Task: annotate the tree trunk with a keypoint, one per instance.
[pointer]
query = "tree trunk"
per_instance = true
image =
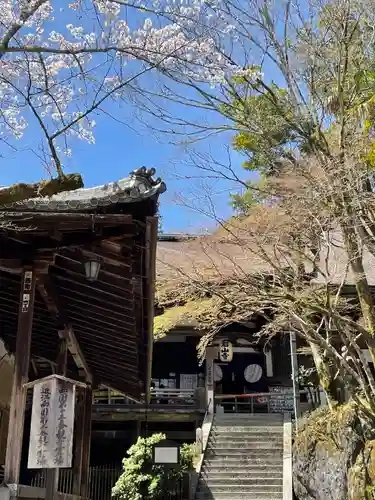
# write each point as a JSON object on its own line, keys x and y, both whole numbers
{"x": 21, "y": 191}
{"x": 362, "y": 287}
{"x": 330, "y": 385}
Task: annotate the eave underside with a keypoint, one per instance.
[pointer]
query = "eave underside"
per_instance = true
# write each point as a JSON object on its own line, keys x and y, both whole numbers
{"x": 108, "y": 317}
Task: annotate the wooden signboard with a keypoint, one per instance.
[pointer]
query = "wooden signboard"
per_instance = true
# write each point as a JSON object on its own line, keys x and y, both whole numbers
{"x": 282, "y": 399}
{"x": 52, "y": 424}
{"x": 210, "y": 374}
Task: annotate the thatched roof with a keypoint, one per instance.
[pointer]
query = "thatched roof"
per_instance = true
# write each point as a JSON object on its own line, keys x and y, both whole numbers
{"x": 202, "y": 283}
{"x": 206, "y": 282}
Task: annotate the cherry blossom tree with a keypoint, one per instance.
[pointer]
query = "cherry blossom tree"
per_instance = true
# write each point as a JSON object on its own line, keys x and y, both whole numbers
{"x": 61, "y": 62}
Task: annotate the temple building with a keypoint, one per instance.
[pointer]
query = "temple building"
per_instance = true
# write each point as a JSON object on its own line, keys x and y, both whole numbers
{"x": 77, "y": 277}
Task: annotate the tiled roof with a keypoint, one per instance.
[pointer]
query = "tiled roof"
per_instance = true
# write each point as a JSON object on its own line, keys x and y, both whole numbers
{"x": 139, "y": 186}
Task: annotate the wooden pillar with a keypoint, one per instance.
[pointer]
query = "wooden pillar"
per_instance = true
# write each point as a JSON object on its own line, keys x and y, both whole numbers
{"x": 269, "y": 363}
{"x": 52, "y": 475}
{"x": 86, "y": 437}
{"x": 210, "y": 354}
{"x": 21, "y": 375}
{"x": 78, "y": 442}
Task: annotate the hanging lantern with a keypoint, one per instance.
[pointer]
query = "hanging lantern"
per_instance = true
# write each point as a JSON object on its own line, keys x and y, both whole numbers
{"x": 92, "y": 268}
{"x": 226, "y": 351}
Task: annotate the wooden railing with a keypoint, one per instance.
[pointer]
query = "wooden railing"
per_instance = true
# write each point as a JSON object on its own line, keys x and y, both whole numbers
{"x": 107, "y": 396}
{"x": 262, "y": 402}
{"x": 158, "y": 396}
{"x": 236, "y": 403}
{"x": 173, "y": 396}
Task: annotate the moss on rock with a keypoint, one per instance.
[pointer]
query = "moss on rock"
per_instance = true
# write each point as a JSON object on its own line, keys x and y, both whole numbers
{"x": 21, "y": 191}
{"x": 334, "y": 456}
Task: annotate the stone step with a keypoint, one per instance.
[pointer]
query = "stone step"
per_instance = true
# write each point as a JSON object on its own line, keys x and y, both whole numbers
{"x": 238, "y": 496}
{"x": 231, "y": 463}
{"x": 243, "y": 472}
{"x": 241, "y": 488}
{"x": 229, "y": 481}
{"x": 238, "y": 454}
{"x": 247, "y": 426}
{"x": 259, "y": 417}
{"x": 245, "y": 464}
{"x": 207, "y": 472}
{"x": 251, "y": 416}
{"x": 237, "y": 436}
{"x": 246, "y": 445}
{"x": 260, "y": 429}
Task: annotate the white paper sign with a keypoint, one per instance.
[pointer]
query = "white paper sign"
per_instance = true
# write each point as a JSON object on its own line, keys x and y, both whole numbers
{"x": 166, "y": 455}
{"x": 52, "y": 425}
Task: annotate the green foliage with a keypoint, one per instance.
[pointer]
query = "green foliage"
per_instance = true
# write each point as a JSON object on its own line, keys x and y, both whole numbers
{"x": 269, "y": 128}
{"x": 188, "y": 453}
{"x": 141, "y": 479}
{"x": 255, "y": 193}
{"x": 265, "y": 120}
{"x": 321, "y": 107}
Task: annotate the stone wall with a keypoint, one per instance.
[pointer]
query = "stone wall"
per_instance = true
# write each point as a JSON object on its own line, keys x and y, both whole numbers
{"x": 334, "y": 456}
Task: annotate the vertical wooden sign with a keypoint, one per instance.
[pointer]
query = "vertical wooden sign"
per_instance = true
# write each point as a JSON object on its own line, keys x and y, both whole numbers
{"x": 52, "y": 425}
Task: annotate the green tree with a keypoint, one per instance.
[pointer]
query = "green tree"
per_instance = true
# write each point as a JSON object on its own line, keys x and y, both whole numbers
{"x": 303, "y": 114}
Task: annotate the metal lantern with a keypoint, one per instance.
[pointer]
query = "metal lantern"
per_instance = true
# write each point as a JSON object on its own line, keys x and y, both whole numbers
{"x": 92, "y": 268}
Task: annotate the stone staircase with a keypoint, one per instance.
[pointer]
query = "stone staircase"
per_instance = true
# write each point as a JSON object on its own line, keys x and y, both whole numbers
{"x": 243, "y": 459}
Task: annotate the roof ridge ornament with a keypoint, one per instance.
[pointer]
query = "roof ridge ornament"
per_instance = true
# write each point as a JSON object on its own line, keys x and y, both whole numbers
{"x": 147, "y": 174}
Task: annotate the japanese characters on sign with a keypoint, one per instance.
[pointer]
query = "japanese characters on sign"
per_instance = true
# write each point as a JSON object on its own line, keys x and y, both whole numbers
{"x": 52, "y": 421}
{"x": 226, "y": 351}
{"x": 27, "y": 284}
{"x": 210, "y": 374}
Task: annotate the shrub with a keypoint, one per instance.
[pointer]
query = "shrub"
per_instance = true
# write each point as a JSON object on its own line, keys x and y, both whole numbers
{"x": 141, "y": 479}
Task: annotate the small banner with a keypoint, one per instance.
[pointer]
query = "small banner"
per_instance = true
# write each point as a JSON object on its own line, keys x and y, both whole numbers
{"x": 226, "y": 351}
{"x": 52, "y": 425}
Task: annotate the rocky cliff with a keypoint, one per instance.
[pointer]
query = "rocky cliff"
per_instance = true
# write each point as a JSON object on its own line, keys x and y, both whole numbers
{"x": 334, "y": 456}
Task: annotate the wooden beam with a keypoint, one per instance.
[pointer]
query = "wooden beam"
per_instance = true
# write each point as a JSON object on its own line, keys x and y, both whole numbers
{"x": 11, "y": 265}
{"x": 75, "y": 351}
{"x": 96, "y": 302}
{"x": 151, "y": 242}
{"x": 61, "y": 216}
{"x": 95, "y": 287}
{"x": 21, "y": 373}
{"x": 116, "y": 260}
{"x": 78, "y": 442}
{"x": 76, "y": 257}
{"x": 76, "y": 270}
{"x": 53, "y": 303}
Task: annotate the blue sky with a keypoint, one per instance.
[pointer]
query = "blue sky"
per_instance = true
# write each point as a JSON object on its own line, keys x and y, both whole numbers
{"x": 120, "y": 149}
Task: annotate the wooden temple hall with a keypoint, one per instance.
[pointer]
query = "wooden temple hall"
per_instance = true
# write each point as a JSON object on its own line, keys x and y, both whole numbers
{"x": 77, "y": 274}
